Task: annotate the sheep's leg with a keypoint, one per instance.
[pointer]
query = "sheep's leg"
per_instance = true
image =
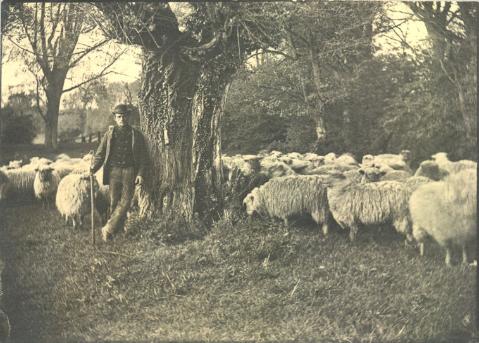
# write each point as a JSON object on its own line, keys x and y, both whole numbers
{"x": 353, "y": 231}
{"x": 448, "y": 256}
{"x": 325, "y": 229}
{"x": 464, "y": 254}
{"x": 421, "y": 248}
{"x": 286, "y": 222}
{"x": 74, "y": 222}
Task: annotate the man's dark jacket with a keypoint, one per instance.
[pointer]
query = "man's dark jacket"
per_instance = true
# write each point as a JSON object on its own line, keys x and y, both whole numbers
{"x": 103, "y": 153}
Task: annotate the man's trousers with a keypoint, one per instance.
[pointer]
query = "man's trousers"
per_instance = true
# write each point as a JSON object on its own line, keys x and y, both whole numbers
{"x": 122, "y": 188}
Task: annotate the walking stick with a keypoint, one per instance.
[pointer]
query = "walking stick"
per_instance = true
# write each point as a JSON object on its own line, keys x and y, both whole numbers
{"x": 92, "y": 201}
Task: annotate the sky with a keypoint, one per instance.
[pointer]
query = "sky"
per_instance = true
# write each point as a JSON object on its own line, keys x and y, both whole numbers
{"x": 15, "y": 77}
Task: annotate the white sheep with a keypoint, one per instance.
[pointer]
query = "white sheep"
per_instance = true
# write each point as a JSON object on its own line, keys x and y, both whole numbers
{"x": 387, "y": 162}
{"x": 73, "y": 197}
{"x": 46, "y": 183}
{"x": 396, "y": 175}
{"x": 15, "y": 164}
{"x": 452, "y": 167}
{"x": 431, "y": 170}
{"x": 286, "y": 196}
{"x": 21, "y": 182}
{"x": 353, "y": 204}
{"x": 272, "y": 167}
{"x": 446, "y": 211}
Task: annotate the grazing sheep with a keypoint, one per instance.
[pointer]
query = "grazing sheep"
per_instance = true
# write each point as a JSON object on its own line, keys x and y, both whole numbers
{"x": 15, "y": 164}
{"x": 20, "y": 182}
{"x": 272, "y": 167}
{"x": 46, "y": 183}
{"x": 446, "y": 211}
{"x": 73, "y": 197}
{"x": 452, "y": 167}
{"x": 396, "y": 175}
{"x": 62, "y": 157}
{"x": 431, "y": 170}
{"x": 346, "y": 159}
{"x": 354, "y": 204}
{"x": 38, "y": 161}
{"x": 388, "y": 162}
{"x": 285, "y": 196}
{"x": 330, "y": 158}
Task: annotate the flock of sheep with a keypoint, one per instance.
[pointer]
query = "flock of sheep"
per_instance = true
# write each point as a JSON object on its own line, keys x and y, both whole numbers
{"x": 65, "y": 180}
{"x": 438, "y": 200}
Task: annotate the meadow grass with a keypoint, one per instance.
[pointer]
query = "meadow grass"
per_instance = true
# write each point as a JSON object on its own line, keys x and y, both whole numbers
{"x": 237, "y": 281}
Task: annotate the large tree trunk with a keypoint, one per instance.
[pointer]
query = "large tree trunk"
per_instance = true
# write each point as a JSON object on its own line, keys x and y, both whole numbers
{"x": 180, "y": 105}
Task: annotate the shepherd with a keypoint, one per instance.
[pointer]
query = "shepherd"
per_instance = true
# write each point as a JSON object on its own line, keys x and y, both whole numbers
{"x": 122, "y": 154}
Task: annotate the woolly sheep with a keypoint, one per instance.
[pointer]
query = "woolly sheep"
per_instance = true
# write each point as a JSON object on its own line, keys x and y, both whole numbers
{"x": 431, "y": 170}
{"x": 15, "y": 164}
{"x": 354, "y": 204}
{"x": 73, "y": 197}
{"x": 330, "y": 158}
{"x": 396, "y": 175}
{"x": 20, "y": 182}
{"x": 446, "y": 211}
{"x": 285, "y": 196}
{"x": 62, "y": 157}
{"x": 346, "y": 159}
{"x": 272, "y": 167}
{"x": 452, "y": 167}
{"x": 46, "y": 183}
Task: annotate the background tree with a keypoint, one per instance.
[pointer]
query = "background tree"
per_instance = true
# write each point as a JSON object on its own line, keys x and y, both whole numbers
{"x": 47, "y": 36}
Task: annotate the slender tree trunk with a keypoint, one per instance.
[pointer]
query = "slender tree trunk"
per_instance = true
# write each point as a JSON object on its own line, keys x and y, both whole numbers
{"x": 320, "y": 126}
{"x": 180, "y": 105}
{"x": 51, "y": 123}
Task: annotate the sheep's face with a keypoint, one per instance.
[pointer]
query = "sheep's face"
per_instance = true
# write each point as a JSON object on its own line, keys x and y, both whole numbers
{"x": 371, "y": 174}
{"x": 251, "y": 202}
{"x": 44, "y": 173}
{"x": 367, "y": 160}
{"x": 406, "y": 155}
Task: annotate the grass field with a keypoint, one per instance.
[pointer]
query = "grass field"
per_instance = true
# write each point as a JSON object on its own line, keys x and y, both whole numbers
{"x": 249, "y": 281}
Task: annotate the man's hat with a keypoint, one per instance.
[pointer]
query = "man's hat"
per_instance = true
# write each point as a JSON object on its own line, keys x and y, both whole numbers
{"x": 121, "y": 108}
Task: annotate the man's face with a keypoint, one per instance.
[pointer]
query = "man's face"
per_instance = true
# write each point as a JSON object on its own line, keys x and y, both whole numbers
{"x": 121, "y": 119}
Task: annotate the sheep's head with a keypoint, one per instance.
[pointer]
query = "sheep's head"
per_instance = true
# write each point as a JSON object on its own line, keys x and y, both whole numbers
{"x": 371, "y": 174}
{"x": 367, "y": 160}
{"x": 44, "y": 172}
{"x": 431, "y": 170}
{"x": 440, "y": 157}
{"x": 406, "y": 155}
{"x": 251, "y": 202}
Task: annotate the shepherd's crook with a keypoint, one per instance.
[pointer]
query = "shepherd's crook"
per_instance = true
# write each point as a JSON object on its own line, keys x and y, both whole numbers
{"x": 92, "y": 201}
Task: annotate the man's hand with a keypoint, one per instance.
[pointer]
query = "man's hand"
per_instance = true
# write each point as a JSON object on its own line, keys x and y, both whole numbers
{"x": 139, "y": 180}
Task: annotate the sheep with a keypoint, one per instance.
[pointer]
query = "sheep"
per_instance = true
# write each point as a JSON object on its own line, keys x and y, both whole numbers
{"x": 285, "y": 196}
{"x": 431, "y": 170}
{"x": 62, "y": 157}
{"x": 452, "y": 167}
{"x": 272, "y": 167}
{"x": 15, "y": 164}
{"x": 46, "y": 183}
{"x": 389, "y": 161}
{"x": 353, "y": 204}
{"x": 73, "y": 197}
{"x": 346, "y": 159}
{"x": 446, "y": 211}
{"x": 20, "y": 182}
{"x": 396, "y": 175}
{"x": 37, "y": 161}
{"x": 330, "y": 158}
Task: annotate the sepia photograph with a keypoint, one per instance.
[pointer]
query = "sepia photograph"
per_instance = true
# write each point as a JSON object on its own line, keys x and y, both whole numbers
{"x": 238, "y": 171}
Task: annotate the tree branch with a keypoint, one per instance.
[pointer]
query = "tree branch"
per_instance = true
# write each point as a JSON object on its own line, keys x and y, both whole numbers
{"x": 86, "y": 52}
{"x": 101, "y": 74}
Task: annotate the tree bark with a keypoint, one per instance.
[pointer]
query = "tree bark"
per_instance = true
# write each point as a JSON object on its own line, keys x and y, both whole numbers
{"x": 181, "y": 103}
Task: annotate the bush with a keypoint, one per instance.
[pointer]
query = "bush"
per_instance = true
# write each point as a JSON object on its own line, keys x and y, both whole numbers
{"x": 17, "y": 128}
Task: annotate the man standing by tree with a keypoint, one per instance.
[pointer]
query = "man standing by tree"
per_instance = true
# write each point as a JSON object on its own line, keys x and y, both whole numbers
{"x": 122, "y": 153}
